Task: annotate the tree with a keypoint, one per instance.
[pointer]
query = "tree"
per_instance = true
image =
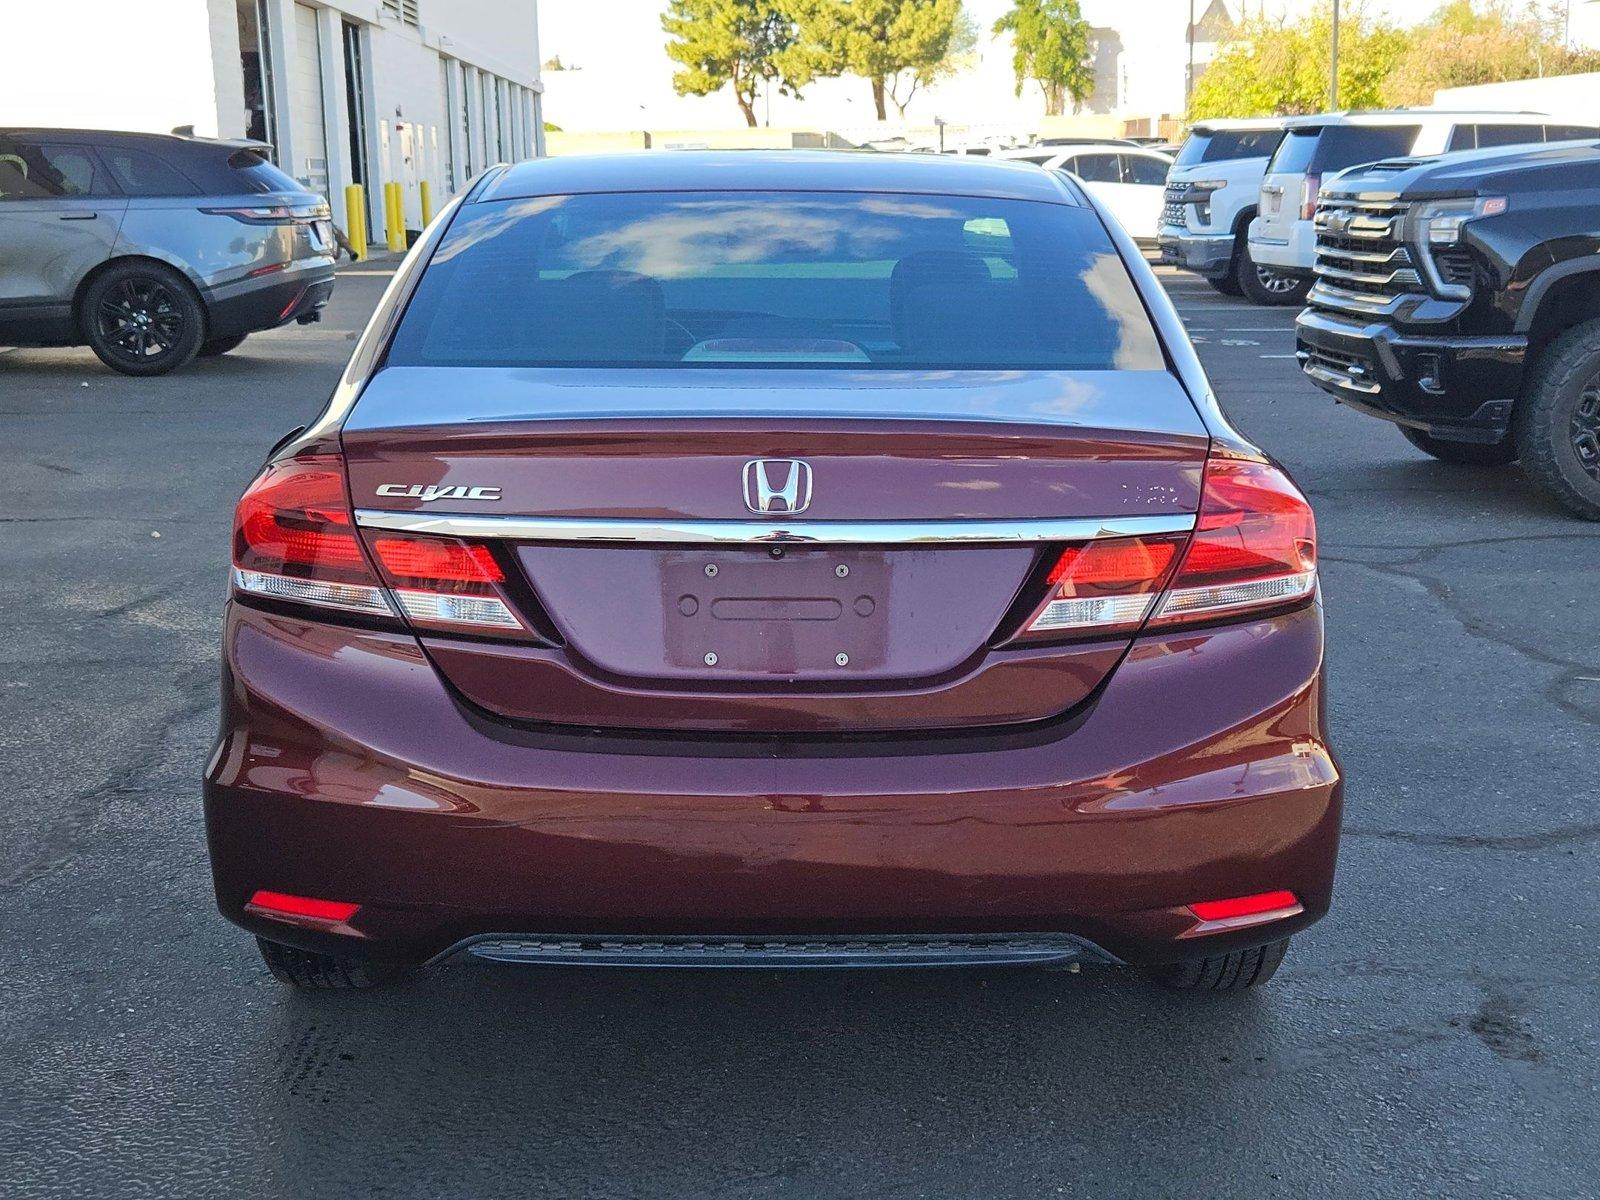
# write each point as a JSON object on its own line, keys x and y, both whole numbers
{"x": 746, "y": 43}
{"x": 1051, "y": 45}
{"x": 958, "y": 56}
{"x": 1272, "y": 65}
{"x": 876, "y": 39}
{"x": 1488, "y": 42}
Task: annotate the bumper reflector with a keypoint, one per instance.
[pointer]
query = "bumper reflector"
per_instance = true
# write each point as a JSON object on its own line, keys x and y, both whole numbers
{"x": 1240, "y": 912}
{"x": 283, "y": 904}
{"x": 1244, "y": 906}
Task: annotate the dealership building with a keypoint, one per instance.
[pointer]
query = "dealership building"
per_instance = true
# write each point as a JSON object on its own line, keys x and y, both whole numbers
{"x": 346, "y": 91}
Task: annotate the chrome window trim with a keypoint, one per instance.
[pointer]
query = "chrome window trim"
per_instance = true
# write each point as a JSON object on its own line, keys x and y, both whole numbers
{"x": 853, "y": 533}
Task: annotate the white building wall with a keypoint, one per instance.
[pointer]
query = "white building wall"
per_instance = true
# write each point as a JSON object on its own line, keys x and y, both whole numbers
{"x": 156, "y": 65}
{"x": 1575, "y": 97}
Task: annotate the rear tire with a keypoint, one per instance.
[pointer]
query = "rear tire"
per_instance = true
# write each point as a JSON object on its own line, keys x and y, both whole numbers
{"x": 1558, "y": 421}
{"x": 1231, "y": 972}
{"x": 1463, "y": 454}
{"x": 1263, "y": 285}
{"x": 323, "y": 972}
{"x": 221, "y": 345}
{"x": 142, "y": 318}
{"x": 1227, "y": 284}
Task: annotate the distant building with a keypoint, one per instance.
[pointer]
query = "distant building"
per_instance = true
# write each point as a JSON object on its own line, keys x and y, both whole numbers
{"x": 346, "y": 91}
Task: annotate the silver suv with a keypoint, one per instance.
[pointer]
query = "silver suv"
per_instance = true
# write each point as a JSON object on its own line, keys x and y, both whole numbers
{"x": 151, "y": 248}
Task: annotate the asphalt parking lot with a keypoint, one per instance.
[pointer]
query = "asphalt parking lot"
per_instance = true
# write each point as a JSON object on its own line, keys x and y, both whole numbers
{"x": 1436, "y": 1036}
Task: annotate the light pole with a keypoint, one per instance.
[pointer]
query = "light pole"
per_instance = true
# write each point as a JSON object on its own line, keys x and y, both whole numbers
{"x": 1188, "y": 82}
{"x": 1333, "y": 62}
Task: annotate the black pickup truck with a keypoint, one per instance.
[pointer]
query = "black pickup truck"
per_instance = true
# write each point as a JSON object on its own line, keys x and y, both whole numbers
{"x": 1459, "y": 297}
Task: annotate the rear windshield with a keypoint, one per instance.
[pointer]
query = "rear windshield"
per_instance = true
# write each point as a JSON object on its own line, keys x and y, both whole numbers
{"x": 853, "y": 280}
{"x": 1228, "y": 144}
{"x": 256, "y": 174}
{"x": 1324, "y": 149}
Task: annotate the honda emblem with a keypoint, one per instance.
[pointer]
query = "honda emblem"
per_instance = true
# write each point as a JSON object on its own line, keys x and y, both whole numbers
{"x": 777, "y": 485}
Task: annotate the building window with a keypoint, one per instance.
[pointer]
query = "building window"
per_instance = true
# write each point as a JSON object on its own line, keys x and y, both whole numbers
{"x": 404, "y": 11}
{"x": 255, "y": 58}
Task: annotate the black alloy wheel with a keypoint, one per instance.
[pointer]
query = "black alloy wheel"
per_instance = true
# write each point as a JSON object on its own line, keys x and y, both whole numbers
{"x": 143, "y": 319}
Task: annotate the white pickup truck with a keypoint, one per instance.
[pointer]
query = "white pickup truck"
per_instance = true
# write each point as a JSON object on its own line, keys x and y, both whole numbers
{"x": 1211, "y": 198}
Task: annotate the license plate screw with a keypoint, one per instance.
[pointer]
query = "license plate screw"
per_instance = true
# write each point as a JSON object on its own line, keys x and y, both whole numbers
{"x": 841, "y": 570}
{"x": 711, "y": 659}
{"x": 842, "y": 659}
{"x": 711, "y": 570}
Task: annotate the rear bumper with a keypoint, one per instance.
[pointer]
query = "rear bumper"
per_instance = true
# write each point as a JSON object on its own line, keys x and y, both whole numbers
{"x": 297, "y": 294}
{"x": 1295, "y": 254}
{"x": 347, "y": 770}
{"x": 1458, "y": 388}
{"x": 1208, "y": 254}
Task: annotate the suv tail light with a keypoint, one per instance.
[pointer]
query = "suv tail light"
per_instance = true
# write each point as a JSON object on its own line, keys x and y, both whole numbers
{"x": 1309, "y": 189}
{"x": 294, "y": 541}
{"x": 1254, "y": 546}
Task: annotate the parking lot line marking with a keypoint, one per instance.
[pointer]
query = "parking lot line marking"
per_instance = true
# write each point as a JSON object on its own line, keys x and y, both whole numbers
{"x": 1274, "y": 356}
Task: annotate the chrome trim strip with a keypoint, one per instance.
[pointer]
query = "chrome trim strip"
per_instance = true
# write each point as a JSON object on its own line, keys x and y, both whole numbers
{"x": 856, "y": 533}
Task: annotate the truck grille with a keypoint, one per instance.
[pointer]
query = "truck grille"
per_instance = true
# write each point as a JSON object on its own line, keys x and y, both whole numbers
{"x": 1347, "y": 370}
{"x": 1173, "y": 205}
{"x": 1361, "y": 252}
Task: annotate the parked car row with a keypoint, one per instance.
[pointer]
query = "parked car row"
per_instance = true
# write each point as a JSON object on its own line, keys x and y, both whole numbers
{"x": 1459, "y": 297}
{"x": 1450, "y": 265}
{"x": 153, "y": 249}
{"x": 1242, "y": 195}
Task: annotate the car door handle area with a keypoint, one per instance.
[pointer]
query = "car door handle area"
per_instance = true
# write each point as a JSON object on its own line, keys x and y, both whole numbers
{"x": 76, "y": 216}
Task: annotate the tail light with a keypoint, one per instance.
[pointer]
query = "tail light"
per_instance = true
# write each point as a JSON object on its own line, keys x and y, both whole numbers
{"x": 442, "y": 581}
{"x": 261, "y": 214}
{"x": 294, "y": 541}
{"x": 1106, "y": 586}
{"x": 1254, "y": 547}
{"x": 1309, "y": 189}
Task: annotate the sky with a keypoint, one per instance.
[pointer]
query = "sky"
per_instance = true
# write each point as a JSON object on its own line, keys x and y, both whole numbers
{"x": 626, "y": 77}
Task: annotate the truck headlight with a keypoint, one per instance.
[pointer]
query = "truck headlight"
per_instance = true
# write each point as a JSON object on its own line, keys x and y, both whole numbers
{"x": 1440, "y": 222}
{"x": 1199, "y": 195}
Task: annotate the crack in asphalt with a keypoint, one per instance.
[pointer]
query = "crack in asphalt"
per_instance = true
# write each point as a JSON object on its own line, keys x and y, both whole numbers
{"x": 1571, "y": 672}
{"x": 136, "y": 776}
{"x": 1573, "y": 834}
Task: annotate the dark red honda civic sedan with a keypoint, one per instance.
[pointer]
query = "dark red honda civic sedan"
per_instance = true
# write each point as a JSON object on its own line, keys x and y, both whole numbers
{"x": 794, "y": 559}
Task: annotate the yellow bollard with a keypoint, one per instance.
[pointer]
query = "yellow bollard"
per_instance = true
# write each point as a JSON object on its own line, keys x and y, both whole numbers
{"x": 395, "y": 206}
{"x": 427, "y": 202}
{"x": 355, "y": 218}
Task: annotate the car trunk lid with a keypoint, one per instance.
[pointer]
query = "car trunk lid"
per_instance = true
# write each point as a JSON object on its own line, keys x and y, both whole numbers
{"x": 661, "y": 600}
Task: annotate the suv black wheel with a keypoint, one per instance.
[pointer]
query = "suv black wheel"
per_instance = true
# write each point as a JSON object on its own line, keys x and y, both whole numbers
{"x": 1227, "y": 284}
{"x": 1231, "y": 972}
{"x": 221, "y": 345}
{"x": 1558, "y": 420}
{"x": 1465, "y": 454}
{"x": 1263, "y": 285}
{"x": 323, "y": 972}
{"x": 142, "y": 318}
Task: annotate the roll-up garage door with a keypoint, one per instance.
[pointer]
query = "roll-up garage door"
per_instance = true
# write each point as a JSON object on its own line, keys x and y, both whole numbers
{"x": 305, "y": 101}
